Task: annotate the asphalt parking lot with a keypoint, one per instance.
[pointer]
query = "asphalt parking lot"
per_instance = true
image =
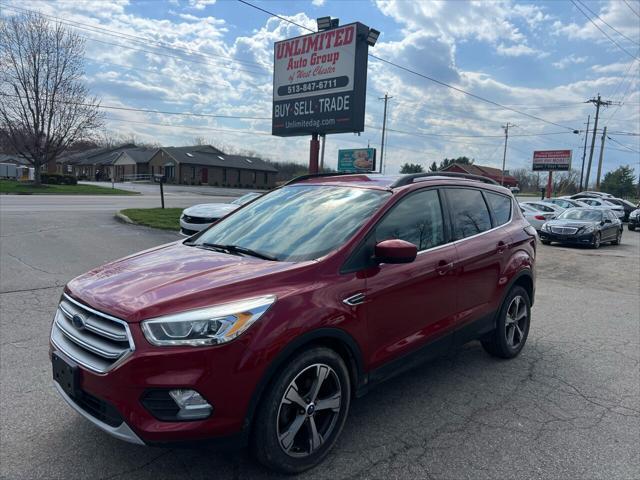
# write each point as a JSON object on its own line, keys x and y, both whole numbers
{"x": 567, "y": 407}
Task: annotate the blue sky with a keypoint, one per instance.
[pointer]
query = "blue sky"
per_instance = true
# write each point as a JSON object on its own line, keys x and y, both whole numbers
{"x": 214, "y": 57}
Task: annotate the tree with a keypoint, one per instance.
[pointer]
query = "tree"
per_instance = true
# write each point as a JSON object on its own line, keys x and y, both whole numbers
{"x": 619, "y": 182}
{"x": 44, "y": 105}
{"x": 433, "y": 167}
{"x": 411, "y": 168}
{"x": 461, "y": 160}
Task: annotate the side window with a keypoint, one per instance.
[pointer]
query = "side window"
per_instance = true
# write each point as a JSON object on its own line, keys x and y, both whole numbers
{"x": 469, "y": 211}
{"x": 500, "y": 206}
{"x": 416, "y": 219}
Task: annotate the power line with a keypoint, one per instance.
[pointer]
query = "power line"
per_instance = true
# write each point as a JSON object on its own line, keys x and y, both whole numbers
{"x": 623, "y": 145}
{"x": 599, "y": 18}
{"x": 426, "y": 77}
{"x": 603, "y": 32}
{"x": 631, "y": 8}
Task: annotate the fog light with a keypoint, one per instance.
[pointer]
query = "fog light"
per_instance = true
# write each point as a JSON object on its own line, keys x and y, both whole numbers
{"x": 192, "y": 405}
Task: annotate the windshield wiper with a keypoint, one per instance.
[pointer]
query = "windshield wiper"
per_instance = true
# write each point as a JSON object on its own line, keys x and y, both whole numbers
{"x": 235, "y": 249}
{"x": 248, "y": 251}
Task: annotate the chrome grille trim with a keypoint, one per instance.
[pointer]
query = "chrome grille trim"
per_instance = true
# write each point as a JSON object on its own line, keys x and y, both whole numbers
{"x": 104, "y": 342}
{"x": 564, "y": 230}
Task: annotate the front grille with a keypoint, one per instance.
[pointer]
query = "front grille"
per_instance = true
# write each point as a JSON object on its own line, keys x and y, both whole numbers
{"x": 98, "y": 408}
{"x": 94, "y": 340}
{"x": 564, "y": 230}
{"x": 197, "y": 220}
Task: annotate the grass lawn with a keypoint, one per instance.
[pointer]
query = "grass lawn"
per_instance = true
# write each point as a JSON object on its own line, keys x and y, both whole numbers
{"x": 167, "y": 218}
{"x": 21, "y": 188}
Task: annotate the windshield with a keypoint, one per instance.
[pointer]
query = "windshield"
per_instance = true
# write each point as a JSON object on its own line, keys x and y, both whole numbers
{"x": 582, "y": 214}
{"x": 297, "y": 223}
{"x": 246, "y": 198}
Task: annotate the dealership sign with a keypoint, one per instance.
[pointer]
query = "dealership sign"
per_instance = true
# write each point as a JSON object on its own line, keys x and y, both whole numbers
{"x": 357, "y": 160}
{"x": 319, "y": 82}
{"x": 552, "y": 160}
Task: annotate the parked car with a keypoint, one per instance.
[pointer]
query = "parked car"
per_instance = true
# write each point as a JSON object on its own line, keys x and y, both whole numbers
{"x": 591, "y": 194}
{"x": 604, "y": 203}
{"x": 545, "y": 206}
{"x": 626, "y": 205}
{"x": 634, "y": 220}
{"x": 197, "y": 218}
{"x": 565, "y": 202}
{"x": 265, "y": 327}
{"x": 535, "y": 217}
{"x": 583, "y": 226}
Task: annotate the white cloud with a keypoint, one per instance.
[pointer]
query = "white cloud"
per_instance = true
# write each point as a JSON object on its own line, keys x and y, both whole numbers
{"x": 517, "y": 50}
{"x": 569, "y": 60}
{"x": 318, "y": 3}
{"x": 200, "y": 4}
{"x": 617, "y": 67}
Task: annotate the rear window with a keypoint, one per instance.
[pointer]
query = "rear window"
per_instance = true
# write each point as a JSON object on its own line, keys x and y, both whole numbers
{"x": 469, "y": 211}
{"x": 500, "y": 206}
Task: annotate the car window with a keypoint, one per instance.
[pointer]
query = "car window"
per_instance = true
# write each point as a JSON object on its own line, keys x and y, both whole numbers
{"x": 469, "y": 212}
{"x": 416, "y": 219}
{"x": 582, "y": 214}
{"x": 541, "y": 207}
{"x": 500, "y": 206}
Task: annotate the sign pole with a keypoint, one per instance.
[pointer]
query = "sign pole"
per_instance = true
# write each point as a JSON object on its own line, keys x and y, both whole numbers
{"x": 549, "y": 184}
{"x": 324, "y": 140}
{"x": 314, "y": 152}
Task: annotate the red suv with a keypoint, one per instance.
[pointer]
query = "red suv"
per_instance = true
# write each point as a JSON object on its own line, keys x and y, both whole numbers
{"x": 262, "y": 329}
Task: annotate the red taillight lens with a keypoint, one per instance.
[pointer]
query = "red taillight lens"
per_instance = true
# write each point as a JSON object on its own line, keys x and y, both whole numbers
{"x": 539, "y": 217}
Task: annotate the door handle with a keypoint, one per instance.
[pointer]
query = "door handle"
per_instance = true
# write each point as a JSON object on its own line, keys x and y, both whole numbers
{"x": 443, "y": 267}
{"x": 501, "y": 247}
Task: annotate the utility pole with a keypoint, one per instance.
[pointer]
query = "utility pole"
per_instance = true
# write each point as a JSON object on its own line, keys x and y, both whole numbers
{"x": 604, "y": 136}
{"x": 324, "y": 139}
{"x": 598, "y": 103}
{"x": 504, "y": 154}
{"x": 584, "y": 151}
{"x": 384, "y": 129}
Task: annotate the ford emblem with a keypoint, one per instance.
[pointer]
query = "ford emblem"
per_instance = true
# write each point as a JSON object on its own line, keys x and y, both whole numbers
{"x": 77, "y": 322}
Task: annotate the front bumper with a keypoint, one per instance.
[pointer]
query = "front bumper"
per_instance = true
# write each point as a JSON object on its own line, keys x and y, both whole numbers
{"x": 576, "y": 239}
{"x": 634, "y": 222}
{"x": 212, "y": 371}
{"x": 189, "y": 229}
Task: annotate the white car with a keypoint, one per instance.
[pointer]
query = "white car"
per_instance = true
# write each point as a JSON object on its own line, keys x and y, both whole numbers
{"x": 197, "y": 218}
{"x": 536, "y": 218}
{"x": 602, "y": 203}
{"x": 565, "y": 202}
{"x": 545, "y": 206}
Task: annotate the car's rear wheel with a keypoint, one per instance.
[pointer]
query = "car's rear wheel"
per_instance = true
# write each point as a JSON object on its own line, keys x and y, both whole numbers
{"x": 631, "y": 227}
{"x": 596, "y": 240}
{"x": 303, "y": 412}
{"x": 545, "y": 242}
{"x": 618, "y": 239}
{"x": 512, "y": 326}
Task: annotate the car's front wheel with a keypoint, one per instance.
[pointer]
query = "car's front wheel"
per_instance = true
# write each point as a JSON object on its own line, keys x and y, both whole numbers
{"x": 596, "y": 240}
{"x": 303, "y": 412}
{"x": 512, "y": 325}
{"x": 618, "y": 239}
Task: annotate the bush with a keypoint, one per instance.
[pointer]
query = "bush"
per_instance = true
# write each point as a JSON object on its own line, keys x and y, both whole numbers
{"x": 58, "y": 179}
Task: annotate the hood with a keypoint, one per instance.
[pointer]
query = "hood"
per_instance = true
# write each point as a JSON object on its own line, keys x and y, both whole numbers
{"x": 571, "y": 223}
{"x": 173, "y": 278}
{"x": 210, "y": 210}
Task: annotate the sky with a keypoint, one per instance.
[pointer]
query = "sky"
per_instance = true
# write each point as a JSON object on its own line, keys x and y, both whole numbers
{"x": 544, "y": 59}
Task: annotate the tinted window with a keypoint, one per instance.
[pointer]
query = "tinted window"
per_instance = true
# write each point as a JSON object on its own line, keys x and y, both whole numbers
{"x": 297, "y": 223}
{"x": 582, "y": 214}
{"x": 469, "y": 211}
{"x": 500, "y": 206}
{"x": 416, "y": 219}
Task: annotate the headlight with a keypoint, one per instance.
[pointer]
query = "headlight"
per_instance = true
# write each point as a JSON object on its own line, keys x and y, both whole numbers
{"x": 207, "y": 326}
{"x": 588, "y": 229}
{"x": 545, "y": 227}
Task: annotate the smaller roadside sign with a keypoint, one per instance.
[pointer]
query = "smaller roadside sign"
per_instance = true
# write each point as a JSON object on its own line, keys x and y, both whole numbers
{"x": 551, "y": 160}
{"x": 357, "y": 160}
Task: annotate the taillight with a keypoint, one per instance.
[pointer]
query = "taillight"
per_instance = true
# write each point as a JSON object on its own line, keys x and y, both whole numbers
{"x": 539, "y": 217}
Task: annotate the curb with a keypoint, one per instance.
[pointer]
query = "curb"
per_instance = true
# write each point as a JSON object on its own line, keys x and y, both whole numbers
{"x": 123, "y": 218}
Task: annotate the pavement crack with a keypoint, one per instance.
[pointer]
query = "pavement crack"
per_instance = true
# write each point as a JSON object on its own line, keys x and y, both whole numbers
{"x": 31, "y": 266}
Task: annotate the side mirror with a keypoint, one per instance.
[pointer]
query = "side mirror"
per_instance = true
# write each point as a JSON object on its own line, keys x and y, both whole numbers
{"x": 395, "y": 251}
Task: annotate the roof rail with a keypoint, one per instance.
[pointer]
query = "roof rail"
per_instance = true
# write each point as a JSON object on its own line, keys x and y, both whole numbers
{"x": 316, "y": 175}
{"x": 408, "y": 179}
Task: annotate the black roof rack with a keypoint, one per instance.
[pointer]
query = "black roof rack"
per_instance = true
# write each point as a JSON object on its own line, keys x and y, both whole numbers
{"x": 317, "y": 175}
{"x": 408, "y": 179}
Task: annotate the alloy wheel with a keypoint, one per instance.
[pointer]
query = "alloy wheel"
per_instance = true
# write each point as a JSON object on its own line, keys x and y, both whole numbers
{"x": 596, "y": 241}
{"x": 309, "y": 410}
{"x": 516, "y": 321}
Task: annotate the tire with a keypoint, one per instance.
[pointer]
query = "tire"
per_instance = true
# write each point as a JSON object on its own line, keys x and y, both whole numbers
{"x": 631, "y": 229}
{"x": 596, "y": 241}
{"x": 299, "y": 414}
{"x": 618, "y": 239}
{"x": 545, "y": 242}
{"x": 512, "y": 326}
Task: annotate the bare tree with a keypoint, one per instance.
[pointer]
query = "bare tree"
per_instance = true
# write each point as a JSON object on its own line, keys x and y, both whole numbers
{"x": 44, "y": 105}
